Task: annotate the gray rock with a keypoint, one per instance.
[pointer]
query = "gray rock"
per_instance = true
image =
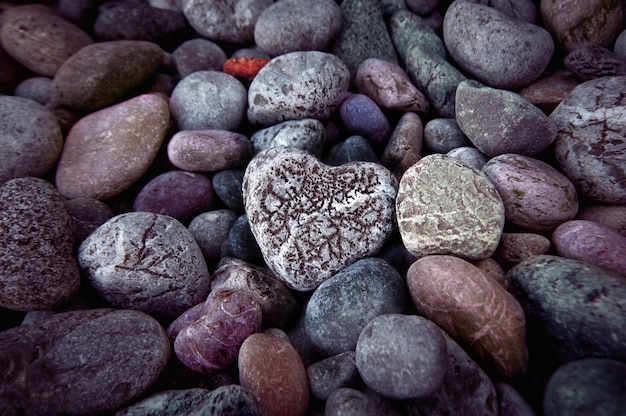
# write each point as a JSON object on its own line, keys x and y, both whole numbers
{"x": 505, "y": 53}
{"x": 228, "y": 187}
{"x": 500, "y": 121}
{"x": 307, "y": 134}
{"x": 170, "y": 402}
{"x": 332, "y": 373}
{"x": 148, "y": 262}
{"x": 193, "y": 101}
{"x": 347, "y": 401}
{"x": 422, "y": 7}
{"x": 510, "y": 402}
{"x": 619, "y": 48}
{"x": 198, "y": 54}
{"x": 413, "y": 365}
{"x": 407, "y": 28}
{"x": 311, "y": 220}
{"x": 516, "y": 9}
{"x": 80, "y": 362}
{"x": 88, "y": 214}
{"x": 341, "y": 306}
{"x": 593, "y": 61}
{"x": 210, "y": 230}
{"x": 405, "y": 144}
{"x": 30, "y": 138}
{"x": 232, "y": 399}
{"x": 241, "y": 242}
{"x": 470, "y": 155}
{"x": 38, "y": 89}
{"x": 447, "y": 207}
{"x": 590, "y": 146}
{"x": 443, "y": 134}
{"x": 297, "y": 85}
{"x": 353, "y": 149}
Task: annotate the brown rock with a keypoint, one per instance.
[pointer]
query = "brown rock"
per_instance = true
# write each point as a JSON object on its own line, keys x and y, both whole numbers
{"x": 271, "y": 369}
{"x": 548, "y": 92}
{"x": 473, "y": 309}
{"x": 516, "y": 247}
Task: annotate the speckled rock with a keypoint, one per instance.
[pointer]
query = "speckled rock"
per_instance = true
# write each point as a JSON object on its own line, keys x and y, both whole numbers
{"x": 286, "y": 391}
{"x": 342, "y": 305}
{"x": 593, "y": 61}
{"x": 109, "y": 150}
{"x": 470, "y": 155}
{"x": 230, "y": 21}
{"x": 536, "y": 196}
{"x": 413, "y": 365}
{"x": 176, "y": 193}
{"x": 443, "y": 134}
{"x": 193, "y": 101}
{"x": 38, "y": 269}
{"x": 88, "y": 214}
{"x": 591, "y": 242}
{"x": 39, "y": 39}
{"x": 297, "y": 25}
{"x": 100, "y": 74}
{"x": 278, "y": 304}
{"x": 307, "y": 134}
{"x": 210, "y": 230}
{"x": 595, "y": 21}
{"x": 228, "y": 187}
{"x": 593, "y": 386}
{"x": 407, "y": 28}
{"x": 506, "y": 53}
{"x": 30, "y": 138}
{"x": 590, "y": 143}
{"x": 332, "y": 373}
{"x": 80, "y": 362}
{"x": 500, "y": 121}
{"x": 573, "y": 309}
{"x": 516, "y": 247}
{"x": 212, "y": 341}
{"x": 447, "y": 207}
{"x": 347, "y": 401}
{"x": 144, "y": 261}
{"x": 405, "y": 144}
{"x": 308, "y": 233}
{"x": 297, "y": 85}
{"x": 208, "y": 150}
{"x": 175, "y": 402}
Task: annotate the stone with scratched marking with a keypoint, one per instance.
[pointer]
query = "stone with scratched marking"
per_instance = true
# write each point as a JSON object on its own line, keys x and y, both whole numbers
{"x": 311, "y": 220}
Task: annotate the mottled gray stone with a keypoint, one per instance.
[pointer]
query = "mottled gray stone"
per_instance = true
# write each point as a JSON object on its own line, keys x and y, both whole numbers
{"x": 198, "y": 54}
{"x": 342, "y": 305}
{"x": 443, "y": 134}
{"x": 148, "y": 262}
{"x": 332, "y": 373}
{"x": 210, "y": 230}
{"x": 405, "y": 144}
{"x": 311, "y": 220}
{"x": 353, "y": 149}
{"x": 306, "y": 134}
{"x": 445, "y": 206}
{"x": 170, "y": 402}
{"x": 80, "y": 362}
{"x": 228, "y": 187}
{"x": 407, "y": 28}
{"x": 590, "y": 146}
{"x": 619, "y": 48}
{"x": 470, "y": 155}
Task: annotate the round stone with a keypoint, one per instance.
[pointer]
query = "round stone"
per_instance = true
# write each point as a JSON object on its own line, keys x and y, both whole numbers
{"x": 470, "y": 155}
{"x": 346, "y": 401}
{"x": 447, "y": 207}
{"x": 353, "y": 149}
{"x": 88, "y": 214}
{"x": 198, "y": 54}
{"x": 361, "y": 116}
{"x": 441, "y": 135}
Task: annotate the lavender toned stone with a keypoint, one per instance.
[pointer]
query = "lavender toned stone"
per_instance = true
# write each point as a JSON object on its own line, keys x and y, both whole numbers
{"x": 361, "y": 116}
{"x": 332, "y": 373}
{"x": 441, "y": 135}
{"x": 311, "y": 220}
{"x": 346, "y": 401}
{"x": 210, "y": 230}
{"x": 198, "y": 54}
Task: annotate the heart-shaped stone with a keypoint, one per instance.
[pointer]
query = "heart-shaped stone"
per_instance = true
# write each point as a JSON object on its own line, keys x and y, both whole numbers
{"x": 312, "y": 220}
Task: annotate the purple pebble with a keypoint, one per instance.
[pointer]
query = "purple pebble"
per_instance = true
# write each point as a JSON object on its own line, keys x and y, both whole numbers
{"x": 363, "y": 117}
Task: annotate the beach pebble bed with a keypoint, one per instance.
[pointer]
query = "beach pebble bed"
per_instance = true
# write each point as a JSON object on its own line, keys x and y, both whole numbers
{"x": 312, "y": 207}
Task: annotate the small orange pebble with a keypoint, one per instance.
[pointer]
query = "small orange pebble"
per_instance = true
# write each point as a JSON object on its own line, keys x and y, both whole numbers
{"x": 246, "y": 67}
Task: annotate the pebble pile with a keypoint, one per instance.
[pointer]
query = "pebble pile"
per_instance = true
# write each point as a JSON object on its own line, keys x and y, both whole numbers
{"x": 313, "y": 207}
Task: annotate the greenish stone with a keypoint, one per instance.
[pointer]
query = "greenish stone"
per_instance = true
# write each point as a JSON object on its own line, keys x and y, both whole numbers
{"x": 407, "y": 28}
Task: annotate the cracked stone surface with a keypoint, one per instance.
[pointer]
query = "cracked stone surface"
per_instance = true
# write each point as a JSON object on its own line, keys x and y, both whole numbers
{"x": 445, "y": 206}
{"x": 145, "y": 261}
{"x": 311, "y": 220}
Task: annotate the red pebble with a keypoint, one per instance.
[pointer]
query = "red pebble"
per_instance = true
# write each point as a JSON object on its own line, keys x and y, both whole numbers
{"x": 246, "y": 67}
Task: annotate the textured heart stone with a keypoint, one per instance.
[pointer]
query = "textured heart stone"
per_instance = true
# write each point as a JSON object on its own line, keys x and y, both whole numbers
{"x": 311, "y": 220}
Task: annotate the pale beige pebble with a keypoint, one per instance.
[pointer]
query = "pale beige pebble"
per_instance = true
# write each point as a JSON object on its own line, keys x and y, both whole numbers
{"x": 272, "y": 371}
{"x": 473, "y": 309}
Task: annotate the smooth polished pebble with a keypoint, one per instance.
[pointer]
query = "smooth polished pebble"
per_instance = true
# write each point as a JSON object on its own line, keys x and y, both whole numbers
{"x": 241, "y": 242}
{"x": 613, "y": 216}
{"x": 88, "y": 214}
{"x": 307, "y": 134}
{"x": 210, "y": 230}
{"x": 470, "y": 155}
{"x": 346, "y": 401}
{"x": 198, "y": 54}
{"x": 548, "y": 91}
{"x": 228, "y": 187}
{"x": 516, "y": 247}
{"x": 441, "y": 135}
{"x": 38, "y": 89}
{"x": 362, "y": 116}
{"x": 353, "y": 149}
{"x": 405, "y": 144}
{"x": 593, "y": 61}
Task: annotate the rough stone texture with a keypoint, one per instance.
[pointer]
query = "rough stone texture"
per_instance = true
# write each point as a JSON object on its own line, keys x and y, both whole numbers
{"x": 230, "y": 21}
{"x": 413, "y": 365}
{"x": 30, "y": 138}
{"x": 516, "y": 247}
{"x": 272, "y": 371}
{"x": 39, "y": 39}
{"x": 109, "y": 150}
{"x": 473, "y": 309}
{"x": 88, "y": 214}
{"x": 332, "y": 373}
{"x": 407, "y": 28}
{"x": 346, "y": 401}
{"x": 100, "y": 74}
{"x": 590, "y": 146}
{"x": 342, "y": 305}
{"x": 297, "y": 25}
{"x": 212, "y": 341}
{"x": 447, "y": 207}
{"x": 37, "y": 268}
{"x": 307, "y": 134}
{"x": 311, "y": 220}
{"x": 210, "y": 230}
{"x": 297, "y": 85}
{"x": 592, "y": 242}
{"x": 499, "y": 121}
{"x": 278, "y": 304}
{"x": 593, "y": 61}
{"x": 494, "y": 48}
{"x": 536, "y": 196}
{"x": 144, "y": 261}
{"x": 589, "y": 386}
{"x": 80, "y": 362}
{"x": 573, "y": 309}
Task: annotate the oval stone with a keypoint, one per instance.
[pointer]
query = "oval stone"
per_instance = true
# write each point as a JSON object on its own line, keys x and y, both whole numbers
{"x": 494, "y": 48}
{"x": 447, "y": 207}
{"x": 198, "y": 54}
{"x": 472, "y": 308}
{"x": 148, "y": 262}
{"x": 341, "y": 306}
{"x": 109, "y": 150}
{"x": 407, "y": 28}
{"x": 405, "y": 144}
{"x": 613, "y": 216}
{"x": 228, "y": 187}
{"x": 297, "y": 85}
{"x": 306, "y": 134}
{"x": 441, "y": 135}
{"x": 30, "y": 138}
{"x": 536, "y": 196}
{"x": 80, "y": 362}
{"x": 414, "y": 364}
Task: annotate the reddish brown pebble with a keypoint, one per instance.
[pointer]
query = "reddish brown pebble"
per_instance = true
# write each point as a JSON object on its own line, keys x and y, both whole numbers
{"x": 548, "y": 92}
{"x": 246, "y": 67}
{"x": 516, "y": 247}
{"x": 271, "y": 369}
